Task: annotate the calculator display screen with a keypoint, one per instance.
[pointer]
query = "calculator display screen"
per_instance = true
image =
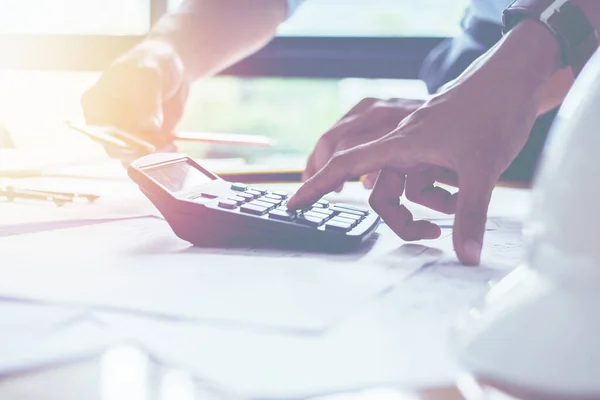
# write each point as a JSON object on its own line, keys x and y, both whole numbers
{"x": 179, "y": 177}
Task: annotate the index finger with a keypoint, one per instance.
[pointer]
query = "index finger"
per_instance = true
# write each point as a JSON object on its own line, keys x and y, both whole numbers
{"x": 360, "y": 160}
{"x": 326, "y": 144}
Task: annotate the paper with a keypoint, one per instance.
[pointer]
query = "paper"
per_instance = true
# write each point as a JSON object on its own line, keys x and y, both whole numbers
{"x": 117, "y": 200}
{"x": 398, "y": 340}
{"x": 18, "y": 317}
{"x": 141, "y": 266}
{"x": 12, "y": 160}
{"x": 33, "y": 350}
{"x": 395, "y": 336}
{"x": 35, "y": 336}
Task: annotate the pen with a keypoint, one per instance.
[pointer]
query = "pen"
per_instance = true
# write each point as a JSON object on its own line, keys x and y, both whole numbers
{"x": 119, "y": 139}
{"x": 89, "y": 197}
{"x": 224, "y": 138}
{"x": 114, "y": 138}
{"x": 12, "y": 194}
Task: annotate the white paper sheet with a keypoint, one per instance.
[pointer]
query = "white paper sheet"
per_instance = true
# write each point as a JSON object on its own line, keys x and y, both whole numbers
{"x": 47, "y": 348}
{"x": 399, "y": 340}
{"x": 118, "y": 200}
{"x": 396, "y": 338}
{"x": 140, "y": 266}
{"x": 35, "y": 336}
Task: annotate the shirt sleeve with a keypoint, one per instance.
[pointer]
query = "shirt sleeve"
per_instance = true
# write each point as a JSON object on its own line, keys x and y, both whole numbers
{"x": 293, "y": 5}
{"x": 489, "y": 10}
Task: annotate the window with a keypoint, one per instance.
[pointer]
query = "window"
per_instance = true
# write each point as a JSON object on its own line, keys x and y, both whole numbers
{"x": 99, "y": 17}
{"x": 326, "y": 58}
{"x": 376, "y": 18}
{"x": 359, "y": 18}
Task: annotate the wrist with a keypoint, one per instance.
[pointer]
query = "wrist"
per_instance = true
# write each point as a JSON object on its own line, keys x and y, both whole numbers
{"x": 533, "y": 48}
{"x": 162, "y": 55}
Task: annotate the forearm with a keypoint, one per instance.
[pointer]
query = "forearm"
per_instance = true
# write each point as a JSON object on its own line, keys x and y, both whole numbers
{"x": 555, "y": 90}
{"x": 210, "y": 35}
{"x": 531, "y": 45}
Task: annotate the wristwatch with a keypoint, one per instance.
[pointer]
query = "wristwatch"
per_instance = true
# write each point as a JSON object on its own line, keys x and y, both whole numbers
{"x": 567, "y": 22}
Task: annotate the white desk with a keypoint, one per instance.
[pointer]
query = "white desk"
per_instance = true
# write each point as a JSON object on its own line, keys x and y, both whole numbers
{"x": 395, "y": 340}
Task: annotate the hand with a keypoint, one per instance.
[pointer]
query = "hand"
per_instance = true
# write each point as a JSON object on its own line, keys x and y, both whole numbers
{"x": 143, "y": 93}
{"x": 467, "y": 134}
{"x": 369, "y": 120}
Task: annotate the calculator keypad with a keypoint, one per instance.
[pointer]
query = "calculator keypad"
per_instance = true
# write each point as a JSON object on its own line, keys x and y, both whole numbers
{"x": 335, "y": 225}
{"x": 322, "y": 214}
{"x": 239, "y": 187}
{"x": 311, "y": 219}
{"x": 259, "y": 203}
{"x": 348, "y": 212}
{"x": 326, "y": 213}
{"x": 238, "y": 199}
{"x": 254, "y": 193}
{"x": 282, "y": 215}
{"x": 227, "y": 204}
{"x": 253, "y": 209}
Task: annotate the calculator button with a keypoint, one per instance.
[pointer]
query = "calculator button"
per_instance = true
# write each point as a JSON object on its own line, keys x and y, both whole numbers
{"x": 253, "y": 209}
{"x": 283, "y": 195}
{"x": 239, "y": 187}
{"x": 350, "y": 216}
{"x": 208, "y": 195}
{"x": 254, "y": 193}
{"x": 273, "y": 196}
{"x": 346, "y": 211}
{"x": 310, "y": 220}
{"x": 270, "y": 200}
{"x": 326, "y": 213}
{"x": 352, "y": 222}
{"x": 364, "y": 211}
{"x": 334, "y": 225}
{"x": 246, "y": 196}
{"x": 228, "y": 204}
{"x": 282, "y": 215}
{"x": 238, "y": 199}
{"x": 259, "y": 203}
{"x": 260, "y": 190}
{"x": 321, "y": 204}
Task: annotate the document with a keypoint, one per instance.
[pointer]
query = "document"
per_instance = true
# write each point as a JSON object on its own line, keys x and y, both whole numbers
{"x": 140, "y": 266}
{"x": 118, "y": 200}
{"x": 35, "y": 336}
{"x": 400, "y": 339}
{"x": 29, "y": 351}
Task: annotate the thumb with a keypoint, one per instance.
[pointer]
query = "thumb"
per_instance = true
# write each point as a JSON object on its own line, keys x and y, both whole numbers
{"x": 475, "y": 191}
{"x": 151, "y": 125}
{"x": 150, "y": 116}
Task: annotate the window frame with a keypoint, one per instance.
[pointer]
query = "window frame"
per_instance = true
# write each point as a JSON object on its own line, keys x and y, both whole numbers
{"x": 287, "y": 56}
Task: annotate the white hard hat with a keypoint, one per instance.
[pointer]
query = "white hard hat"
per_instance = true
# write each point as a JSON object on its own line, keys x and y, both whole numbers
{"x": 537, "y": 332}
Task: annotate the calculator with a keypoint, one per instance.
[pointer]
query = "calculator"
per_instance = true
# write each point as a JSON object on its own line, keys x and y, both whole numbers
{"x": 206, "y": 210}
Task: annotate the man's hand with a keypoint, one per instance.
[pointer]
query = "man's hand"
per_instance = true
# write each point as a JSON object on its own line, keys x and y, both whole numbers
{"x": 468, "y": 134}
{"x": 369, "y": 120}
{"x": 143, "y": 93}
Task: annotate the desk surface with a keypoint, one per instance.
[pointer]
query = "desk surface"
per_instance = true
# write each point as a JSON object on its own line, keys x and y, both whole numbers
{"x": 87, "y": 379}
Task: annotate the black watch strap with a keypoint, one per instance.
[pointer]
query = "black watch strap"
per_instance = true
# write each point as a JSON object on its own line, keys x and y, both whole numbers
{"x": 566, "y": 21}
